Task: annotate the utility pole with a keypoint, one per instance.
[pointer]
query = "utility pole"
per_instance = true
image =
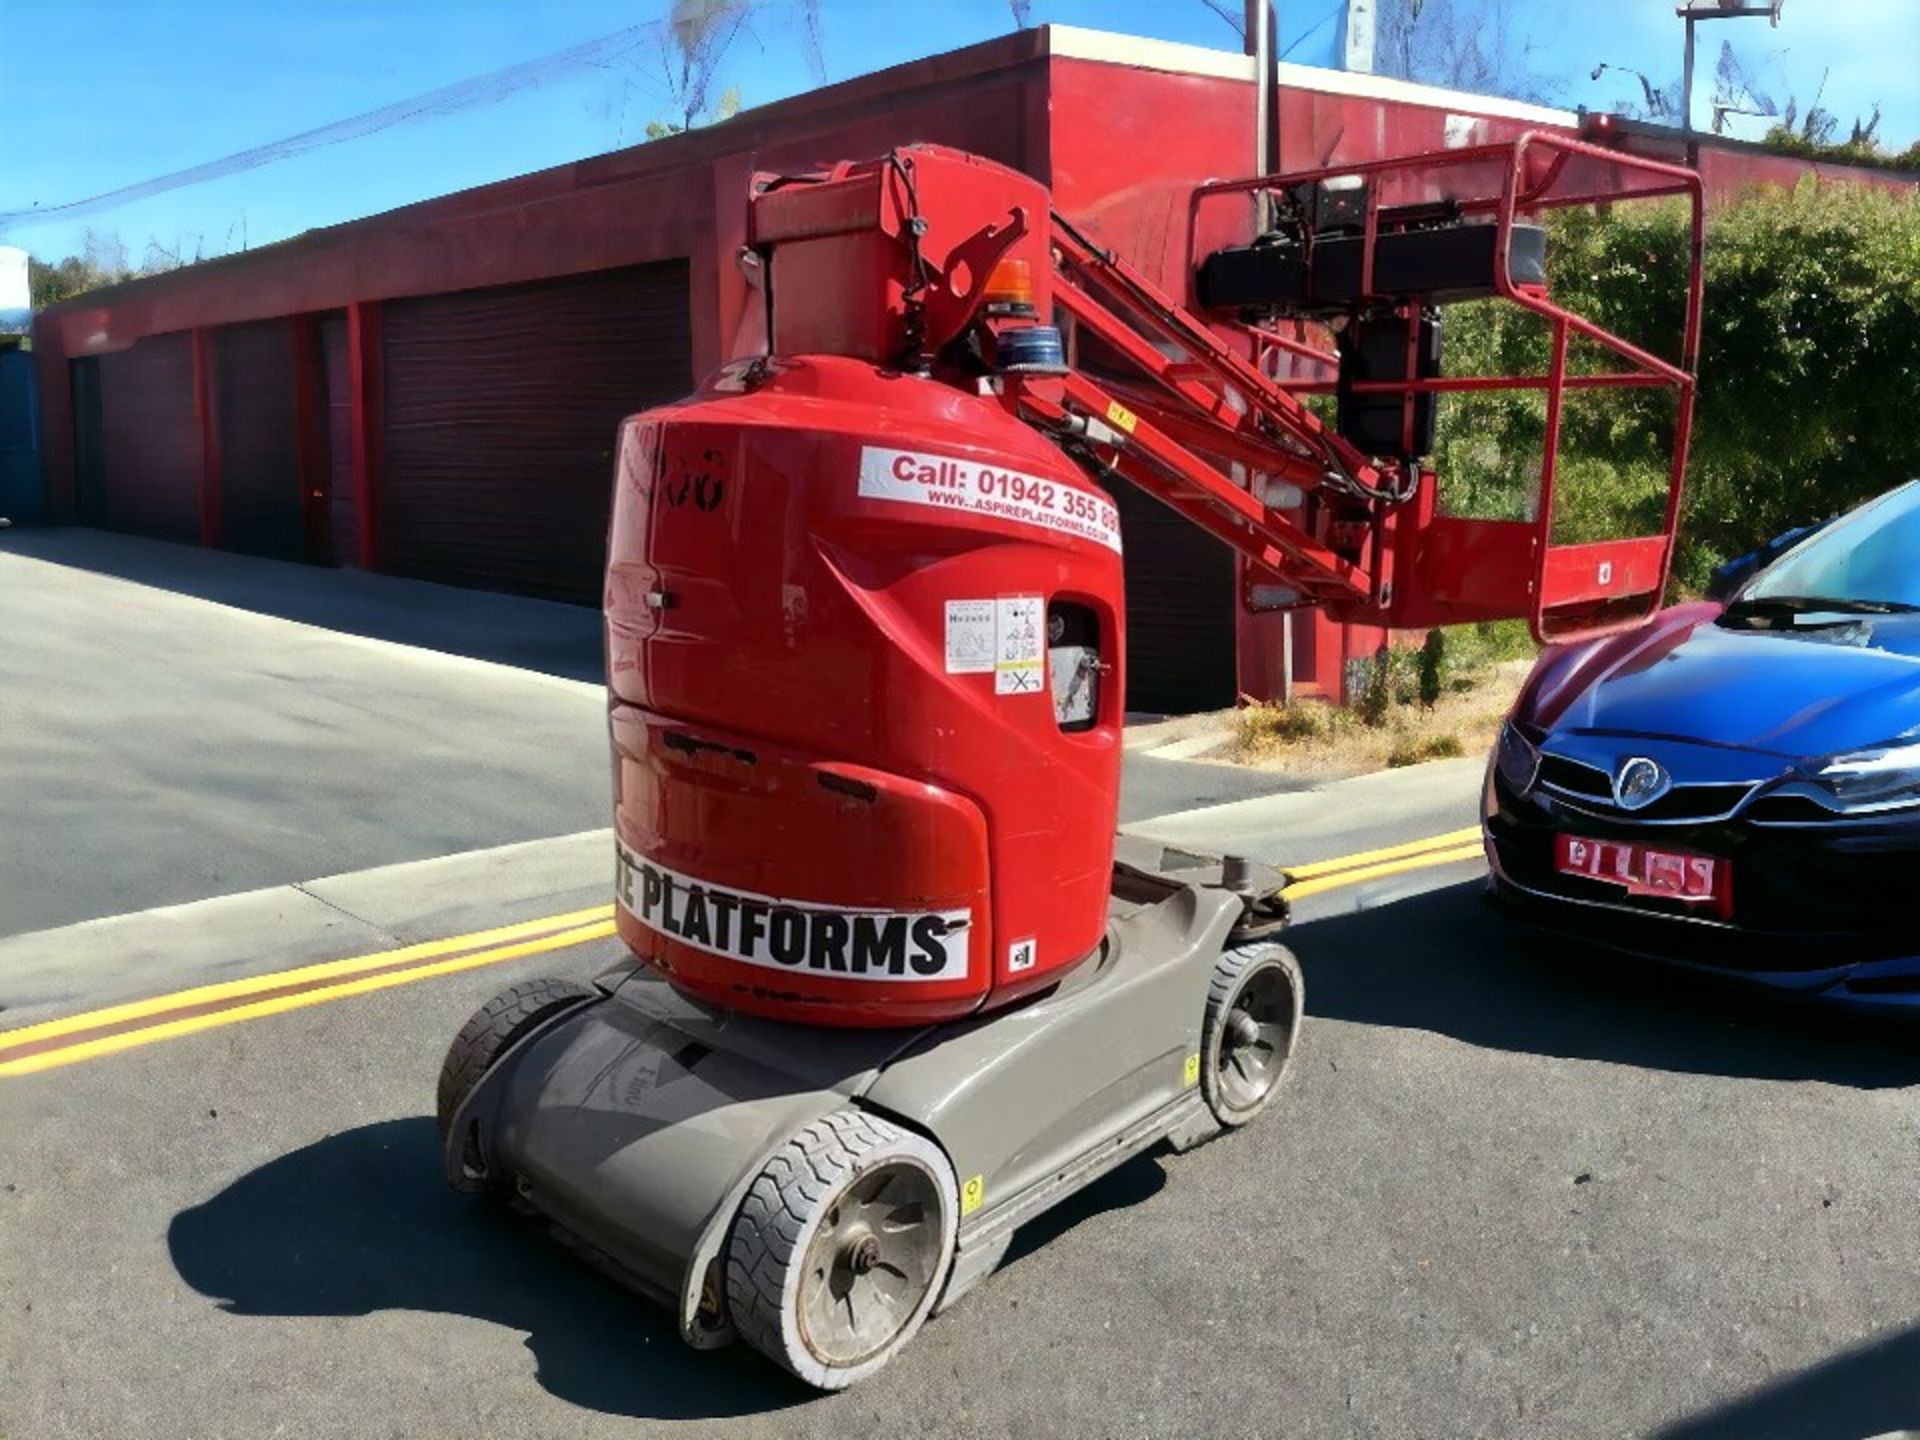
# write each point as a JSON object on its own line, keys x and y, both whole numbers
{"x": 1262, "y": 40}
{"x": 1356, "y": 38}
{"x": 1261, "y": 29}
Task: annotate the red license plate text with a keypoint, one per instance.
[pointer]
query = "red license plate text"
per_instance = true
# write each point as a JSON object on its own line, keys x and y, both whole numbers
{"x": 1645, "y": 871}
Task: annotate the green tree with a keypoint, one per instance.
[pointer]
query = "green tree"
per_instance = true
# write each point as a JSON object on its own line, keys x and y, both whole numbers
{"x": 1474, "y": 47}
{"x": 102, "y": 261}
{"x": 695, "y": 43}
{"x": 1468, "y": 45}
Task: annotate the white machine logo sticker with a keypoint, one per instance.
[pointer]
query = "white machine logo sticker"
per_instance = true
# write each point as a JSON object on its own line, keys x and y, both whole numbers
{"x": 948, "y": 483}
{"x": 969, "y": 637}
{"x": 792, "y": 935}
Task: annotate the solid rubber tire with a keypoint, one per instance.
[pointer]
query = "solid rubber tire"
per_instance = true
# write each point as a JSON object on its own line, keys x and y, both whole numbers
{"x": 1230, "y": 974}
{"x": 788, "y": 1202}
{"x": 493, "y": 1027}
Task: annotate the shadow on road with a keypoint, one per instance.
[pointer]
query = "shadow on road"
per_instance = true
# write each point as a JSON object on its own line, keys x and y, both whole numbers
{"x": 1138, "y": 1180}
{"x": 541, "y": 635}
{"x": 363, "y": 1221}
{"x": 1871, "y": 1390}
{"x": 1444, "y": 961}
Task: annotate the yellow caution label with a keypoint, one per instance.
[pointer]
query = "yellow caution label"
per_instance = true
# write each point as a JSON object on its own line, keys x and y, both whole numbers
{"x": 1190, "y": 1072}
{"x": 1120, "y": 415}
{"x": 973, "y": 1194}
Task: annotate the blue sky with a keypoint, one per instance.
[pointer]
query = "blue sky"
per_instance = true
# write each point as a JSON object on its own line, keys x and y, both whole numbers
{"x": 99, "y": 94}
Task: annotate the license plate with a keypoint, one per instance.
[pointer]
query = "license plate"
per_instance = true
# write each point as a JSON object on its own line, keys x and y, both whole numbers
{"x": 1646, "y": 871}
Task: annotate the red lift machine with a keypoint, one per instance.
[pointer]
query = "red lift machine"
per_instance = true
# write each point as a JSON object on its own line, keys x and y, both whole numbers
{"x": 895, "y": 987}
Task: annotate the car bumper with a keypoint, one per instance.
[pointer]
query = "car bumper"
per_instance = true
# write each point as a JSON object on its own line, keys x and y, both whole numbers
{"x": 1819, "y": 915}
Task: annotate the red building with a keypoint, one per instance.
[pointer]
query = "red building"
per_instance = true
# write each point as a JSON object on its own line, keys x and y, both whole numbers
{"x": 433, "y": 392}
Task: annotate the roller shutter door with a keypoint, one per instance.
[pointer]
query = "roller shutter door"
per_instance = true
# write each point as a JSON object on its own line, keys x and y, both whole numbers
{"x": 502, "y": 410}
{"x": 260, "y": 511}
{"x": 150, "y": 441}
{"x": 1181, "y": 608}
{"x": 342, "y": 513}
{"x": 89, "y": 443}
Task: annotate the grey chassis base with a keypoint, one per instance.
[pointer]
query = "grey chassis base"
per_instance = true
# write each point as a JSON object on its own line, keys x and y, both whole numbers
{"x": 634, "y": 1123}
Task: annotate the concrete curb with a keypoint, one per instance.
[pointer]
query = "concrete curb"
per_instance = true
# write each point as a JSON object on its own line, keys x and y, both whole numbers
{"x": 1293, "y": 827}
{"x": 151, "y": 952}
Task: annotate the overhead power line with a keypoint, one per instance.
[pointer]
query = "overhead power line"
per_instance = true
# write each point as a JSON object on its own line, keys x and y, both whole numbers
{"x": 461, "y": 95}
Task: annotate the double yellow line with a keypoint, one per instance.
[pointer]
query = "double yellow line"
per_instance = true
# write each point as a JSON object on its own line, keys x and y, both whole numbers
{"x": 1448, "y": 849}
{"x": 185, "y": 1012}
{"x": 142, "y": 1022}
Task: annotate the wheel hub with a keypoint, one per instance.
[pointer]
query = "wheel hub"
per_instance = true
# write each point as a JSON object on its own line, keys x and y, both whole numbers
{"x": 875, "y": 1256}
{"x": 863, "y": 1254}
{"x": 1256, "y": 1035}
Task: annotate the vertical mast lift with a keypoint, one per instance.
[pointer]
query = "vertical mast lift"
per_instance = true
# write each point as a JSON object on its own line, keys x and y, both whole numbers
{"x": 895, "y": 987}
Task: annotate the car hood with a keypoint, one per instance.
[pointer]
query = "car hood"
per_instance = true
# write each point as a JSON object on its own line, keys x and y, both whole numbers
{"x": 1805, "y": 692}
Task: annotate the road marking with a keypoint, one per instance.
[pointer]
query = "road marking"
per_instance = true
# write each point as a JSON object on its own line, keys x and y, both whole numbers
{"x": 72, "y": 1038}
{"x": 325, "y": 970}
{"x": 121, "y": 1027}
{"x": 1452, "y": 840}
{"x": 1323, "y": 883}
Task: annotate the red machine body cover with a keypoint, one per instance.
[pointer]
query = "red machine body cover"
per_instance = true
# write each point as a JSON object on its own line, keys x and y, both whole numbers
{"x": 843, "y": 793}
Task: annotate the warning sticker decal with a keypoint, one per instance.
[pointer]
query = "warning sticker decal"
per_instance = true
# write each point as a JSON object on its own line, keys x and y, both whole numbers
{"x": 1019, "y": 637}
{"x": 974, "y": 489}
{"x": 792, "y": 935}
{"x": 969, "y": 637}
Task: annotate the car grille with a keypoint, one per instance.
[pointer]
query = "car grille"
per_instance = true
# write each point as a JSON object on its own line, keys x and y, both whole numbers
{"x": 1590, "y": 788}
{"x": 1790, "y": 810}
{"x": 1570, "y": 777}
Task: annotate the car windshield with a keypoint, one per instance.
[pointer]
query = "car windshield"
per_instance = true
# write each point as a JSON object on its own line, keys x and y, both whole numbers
{"x": 1870, "y": 557}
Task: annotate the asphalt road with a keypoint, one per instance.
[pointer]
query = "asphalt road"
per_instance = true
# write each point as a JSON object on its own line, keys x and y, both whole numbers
{"x": 1501, "y": 1197}
{"x": 1505, "y": 1194}
{"x": 158, "y": 747}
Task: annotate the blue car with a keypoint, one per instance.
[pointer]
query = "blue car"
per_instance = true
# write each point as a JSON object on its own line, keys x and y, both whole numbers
{"x": 1736, "y": 786}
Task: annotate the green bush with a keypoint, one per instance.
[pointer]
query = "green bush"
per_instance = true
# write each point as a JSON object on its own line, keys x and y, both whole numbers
{"x": 1373, "y": 696}
{"x": 1809, "y": 371}
{"x": 1864, "y": 151}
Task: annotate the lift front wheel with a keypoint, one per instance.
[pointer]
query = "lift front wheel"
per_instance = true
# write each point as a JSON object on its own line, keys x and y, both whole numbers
{"x": 841, "y": 1247}
{"x": 1254, "y": 1005}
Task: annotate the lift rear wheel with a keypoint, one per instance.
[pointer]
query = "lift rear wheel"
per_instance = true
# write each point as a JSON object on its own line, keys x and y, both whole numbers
{"x": 493, "y": 1027}
{"x": 841, "y": 1247}
{"x": 1254, "y": 1006}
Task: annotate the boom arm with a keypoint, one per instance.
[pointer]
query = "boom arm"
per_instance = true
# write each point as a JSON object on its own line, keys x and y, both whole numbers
{"x": 1198, "y": 412}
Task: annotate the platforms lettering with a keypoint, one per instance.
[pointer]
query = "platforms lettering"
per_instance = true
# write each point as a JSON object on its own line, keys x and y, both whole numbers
{"x": 792, "y": 935}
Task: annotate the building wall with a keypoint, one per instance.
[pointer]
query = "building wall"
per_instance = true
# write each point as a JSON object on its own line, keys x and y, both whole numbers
{"x": 1121, "y": 129}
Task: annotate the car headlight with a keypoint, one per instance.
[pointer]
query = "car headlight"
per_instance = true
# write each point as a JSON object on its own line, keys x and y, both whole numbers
{"x": 1516, "y": 758}
{"x": 1886, "y": 777}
